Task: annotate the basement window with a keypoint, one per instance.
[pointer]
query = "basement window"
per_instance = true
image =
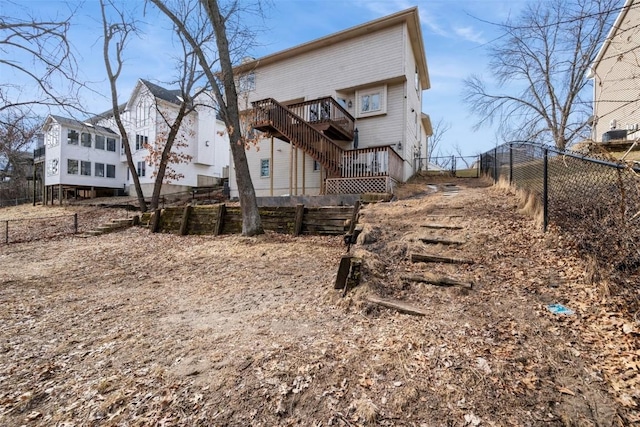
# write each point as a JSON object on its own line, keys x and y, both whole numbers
{"x": 265, "y": 168}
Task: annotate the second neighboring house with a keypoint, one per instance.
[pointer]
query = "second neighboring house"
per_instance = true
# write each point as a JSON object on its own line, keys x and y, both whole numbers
{"x": 616, "y": 76}
{"x": 88, "y": 158}
{"x": 340, "y": 114}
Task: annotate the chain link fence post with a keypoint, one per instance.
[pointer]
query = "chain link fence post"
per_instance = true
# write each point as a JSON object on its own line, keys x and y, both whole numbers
{"x": 545, "y": 191}
{"x": 495, "y": 165}
{"x": 510, "y": 163}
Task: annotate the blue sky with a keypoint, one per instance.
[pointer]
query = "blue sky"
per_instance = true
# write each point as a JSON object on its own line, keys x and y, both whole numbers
{"x": 455, "y": 39}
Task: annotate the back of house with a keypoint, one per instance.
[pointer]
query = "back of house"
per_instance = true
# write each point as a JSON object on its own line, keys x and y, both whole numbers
{"x": 340, "y": 114}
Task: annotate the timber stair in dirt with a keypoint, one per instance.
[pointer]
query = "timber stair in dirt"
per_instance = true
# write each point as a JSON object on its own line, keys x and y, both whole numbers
{"x": 110, "y": 227}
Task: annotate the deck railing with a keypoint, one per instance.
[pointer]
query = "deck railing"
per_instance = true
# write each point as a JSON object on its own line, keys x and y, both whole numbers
{"x": 300, "y": 133}
{"x": 373, "y": 161}
{"x": 39, "y": 153}
{"x": 324, "y": 110}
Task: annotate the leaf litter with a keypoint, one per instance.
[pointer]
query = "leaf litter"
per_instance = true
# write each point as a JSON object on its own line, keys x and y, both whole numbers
{"x": 133, "y": 328}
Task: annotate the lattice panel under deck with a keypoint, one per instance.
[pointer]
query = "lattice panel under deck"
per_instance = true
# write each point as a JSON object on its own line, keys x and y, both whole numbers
{"x": 382, "y": 184}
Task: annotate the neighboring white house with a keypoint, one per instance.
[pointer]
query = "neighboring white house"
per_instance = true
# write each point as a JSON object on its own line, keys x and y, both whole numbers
{"x": 340, "y": 114}
{"x": 616, "y": 77}
{"x": 88, "y": 157}
{"x": 82, "y": 157}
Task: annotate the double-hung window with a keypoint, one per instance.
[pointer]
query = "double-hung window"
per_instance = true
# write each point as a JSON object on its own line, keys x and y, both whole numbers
{"x": 265, "y": 168}
{"x": 142, "y": 169}
{"x": 111, "y": 144}
{"x": 85, "y": 139}
{"x": 72, "y": 137}
{"x": 141, "y": 141}
{"x": 371, "y": 102}
{"x": 72, "y": 167}
{"x": 85, "y": 168}
{"x": 99, "y": 169}
{"x": 99, "y": 142}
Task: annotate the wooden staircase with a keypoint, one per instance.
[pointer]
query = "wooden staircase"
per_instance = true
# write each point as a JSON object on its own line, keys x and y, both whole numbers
{"x": 272, "y": 117}
{"x": 113, "y": 225}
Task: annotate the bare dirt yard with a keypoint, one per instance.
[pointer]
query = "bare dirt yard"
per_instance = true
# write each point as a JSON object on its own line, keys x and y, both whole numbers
{"x": 140, "y": 329}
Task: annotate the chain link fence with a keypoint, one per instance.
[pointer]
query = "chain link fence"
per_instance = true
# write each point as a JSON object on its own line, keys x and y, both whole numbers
{"x": 458, "y": 166}
{"x": 594, "y": 200}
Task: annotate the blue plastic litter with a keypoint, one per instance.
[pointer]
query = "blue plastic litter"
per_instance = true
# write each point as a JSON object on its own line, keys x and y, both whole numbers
{"x": 560, "y": 309}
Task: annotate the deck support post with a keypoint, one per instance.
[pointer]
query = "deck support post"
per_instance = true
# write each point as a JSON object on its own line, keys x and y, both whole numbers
{"x": 271, "y": 170}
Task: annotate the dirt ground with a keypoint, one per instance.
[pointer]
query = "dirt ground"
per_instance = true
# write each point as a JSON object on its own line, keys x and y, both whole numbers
{"x": 139, "y": 329}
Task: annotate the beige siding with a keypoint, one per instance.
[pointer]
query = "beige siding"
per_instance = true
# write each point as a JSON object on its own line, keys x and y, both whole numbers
{"x": 386, "y": 129}
{"x": 356, "y": 62}
{"x": 383, "y": 58}
{"x": 413, "y": 122}
{"x": 617, "y": 79}
{"x": 283, "y": 181}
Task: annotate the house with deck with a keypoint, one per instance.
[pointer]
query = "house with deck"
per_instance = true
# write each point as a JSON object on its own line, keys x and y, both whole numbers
{"x": 338, "y": 115}
{"x": 616, "y": 80}
{"x": 87, "y": 158}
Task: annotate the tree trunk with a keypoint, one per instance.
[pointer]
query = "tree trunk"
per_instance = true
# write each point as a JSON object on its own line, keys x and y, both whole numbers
{"x": 251, "y": 223}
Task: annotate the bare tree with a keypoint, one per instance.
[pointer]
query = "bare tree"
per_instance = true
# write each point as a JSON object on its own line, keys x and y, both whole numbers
{"x": 175, "y": 128}
{"x": 37, "y": 63}
{"x": 540, "y": 64}
{"x": 119, "y": 33}
{"x": 17, "y": 132}
{"x": 434, "y": 148}
{"x": 224, "y": 27}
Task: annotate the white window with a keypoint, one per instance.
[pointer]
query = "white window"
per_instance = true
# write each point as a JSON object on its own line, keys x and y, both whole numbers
{"x": 316, "y": 166}
{"x": 247, "y": 82}
{"x": 111, "y": 144}
{"x": 111, "y": 171}
{"x": 142, "y": 169}
{"x": 99, "y": 142}
{"x": 141, "y": 141}
{"x": 72, "y": 167}
{"x": 142, "y": 112}
{"x": 85, "y": 139}
{"x": 99, "y": 169}
{"x": 52, "y": 137}
{"x": 372, "y": 101}
{"x": 265, "y": 168}
{"x": 72, "y": 137}
{"x": 52, "y": 167}
{"x": 85, "y": 168}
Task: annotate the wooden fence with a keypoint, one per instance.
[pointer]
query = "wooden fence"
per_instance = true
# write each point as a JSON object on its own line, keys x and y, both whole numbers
{"x": 221, "y": 219}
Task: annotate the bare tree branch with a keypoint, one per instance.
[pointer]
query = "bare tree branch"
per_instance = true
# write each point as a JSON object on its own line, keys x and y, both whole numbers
{"x": 37, "y": 62}
{"x": 540, "y": 67}
{"x": 119, "y": 33}
{"x": 232, "y": 38}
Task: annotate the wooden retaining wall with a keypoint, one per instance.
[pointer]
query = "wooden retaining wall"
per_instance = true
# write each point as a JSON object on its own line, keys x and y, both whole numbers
{"x": 220, "y": 219}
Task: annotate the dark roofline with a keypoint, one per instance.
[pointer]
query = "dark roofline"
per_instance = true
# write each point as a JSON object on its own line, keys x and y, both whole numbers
{"x": 106, "y": 114}
{"x": 169, "y": 95}
{"x": 82, "y": 125}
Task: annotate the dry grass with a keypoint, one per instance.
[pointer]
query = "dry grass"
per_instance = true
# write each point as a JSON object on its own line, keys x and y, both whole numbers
{"x": 134, "y": 328}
